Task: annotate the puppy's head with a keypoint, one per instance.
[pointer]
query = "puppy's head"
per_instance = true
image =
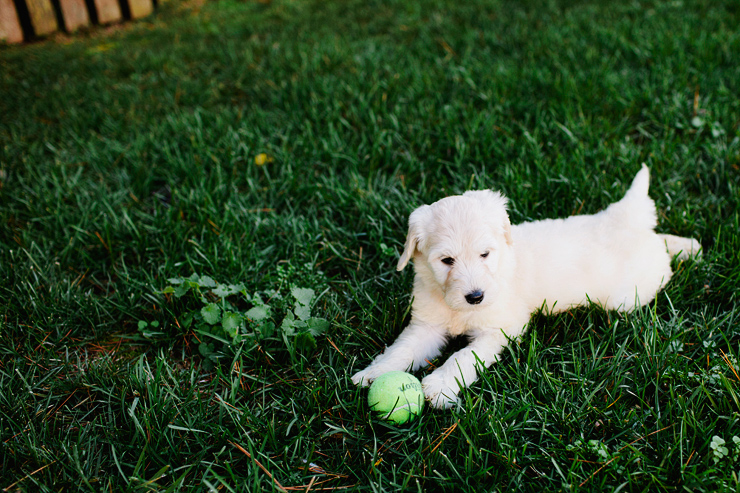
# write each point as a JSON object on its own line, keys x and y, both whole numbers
{"x": 457, "y": 243}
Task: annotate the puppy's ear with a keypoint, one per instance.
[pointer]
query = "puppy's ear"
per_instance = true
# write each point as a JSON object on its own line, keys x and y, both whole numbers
{"x": 416, "y": 236}
{"x": 505, "y": 221}
{"x": 507, "y": 231}
{"x": 495, "y": 205}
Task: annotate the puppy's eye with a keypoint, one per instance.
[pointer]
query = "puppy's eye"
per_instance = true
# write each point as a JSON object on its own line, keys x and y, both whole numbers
{"x": 448, "y": 260}
{"x": 484, "y": 255}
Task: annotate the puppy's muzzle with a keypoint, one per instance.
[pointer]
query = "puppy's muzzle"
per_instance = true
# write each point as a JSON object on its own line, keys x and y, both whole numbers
{"x": 474, "y": 297}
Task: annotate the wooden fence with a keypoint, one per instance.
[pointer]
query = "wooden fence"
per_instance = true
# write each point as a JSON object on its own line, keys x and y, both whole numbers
{"x": 23, "y": 20}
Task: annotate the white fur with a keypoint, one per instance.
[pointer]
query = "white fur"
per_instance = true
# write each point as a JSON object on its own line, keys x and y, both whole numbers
{"x": 613, "y": 258}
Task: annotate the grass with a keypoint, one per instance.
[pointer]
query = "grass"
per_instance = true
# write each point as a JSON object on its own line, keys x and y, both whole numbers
{"x": 127, "y": 158}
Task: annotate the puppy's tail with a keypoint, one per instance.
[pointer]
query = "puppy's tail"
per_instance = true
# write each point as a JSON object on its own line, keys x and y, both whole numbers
{"x": 640, "y": 184}
{"x": 636, "y": 209}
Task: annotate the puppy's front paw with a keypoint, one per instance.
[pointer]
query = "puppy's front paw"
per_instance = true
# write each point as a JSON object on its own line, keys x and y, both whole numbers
{"x": 362, "y": 378}
{"x": 381, "y": 365}
{"x": 365, "y": 377}
{"x": 439, "y": 392}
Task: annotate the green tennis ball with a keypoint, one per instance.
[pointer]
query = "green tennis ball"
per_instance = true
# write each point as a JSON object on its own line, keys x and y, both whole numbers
{"x": 396, "y": 396}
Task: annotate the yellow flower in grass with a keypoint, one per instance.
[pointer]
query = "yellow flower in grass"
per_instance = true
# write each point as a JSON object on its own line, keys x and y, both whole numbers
{"x": 261, "y": 159}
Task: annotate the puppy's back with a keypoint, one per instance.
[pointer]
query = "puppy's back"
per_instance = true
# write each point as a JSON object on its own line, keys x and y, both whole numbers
{"x": 613, "y": 257}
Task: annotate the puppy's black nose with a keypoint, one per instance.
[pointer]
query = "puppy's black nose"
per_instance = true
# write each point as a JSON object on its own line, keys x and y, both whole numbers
{"x": 474, "y": 297}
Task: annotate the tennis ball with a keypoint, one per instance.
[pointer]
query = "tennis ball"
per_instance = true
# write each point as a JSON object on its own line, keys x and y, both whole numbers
{"x": 396, "y": 396}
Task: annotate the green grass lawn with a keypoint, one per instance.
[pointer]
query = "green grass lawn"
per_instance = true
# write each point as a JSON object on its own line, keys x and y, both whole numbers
{"x": 201, "y": 213}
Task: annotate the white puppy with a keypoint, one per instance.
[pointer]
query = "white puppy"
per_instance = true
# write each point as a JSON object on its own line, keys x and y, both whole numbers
{"x": 478, "y": 275}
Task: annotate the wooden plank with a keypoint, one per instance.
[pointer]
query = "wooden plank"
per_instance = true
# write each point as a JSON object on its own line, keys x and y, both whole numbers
{"x": 75, "y": 14}
{"x": 108, "y": 11}
{"x": 43, "y": 18}
{"x": 140, "y": 8}
{"x": 10, "y": 26}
